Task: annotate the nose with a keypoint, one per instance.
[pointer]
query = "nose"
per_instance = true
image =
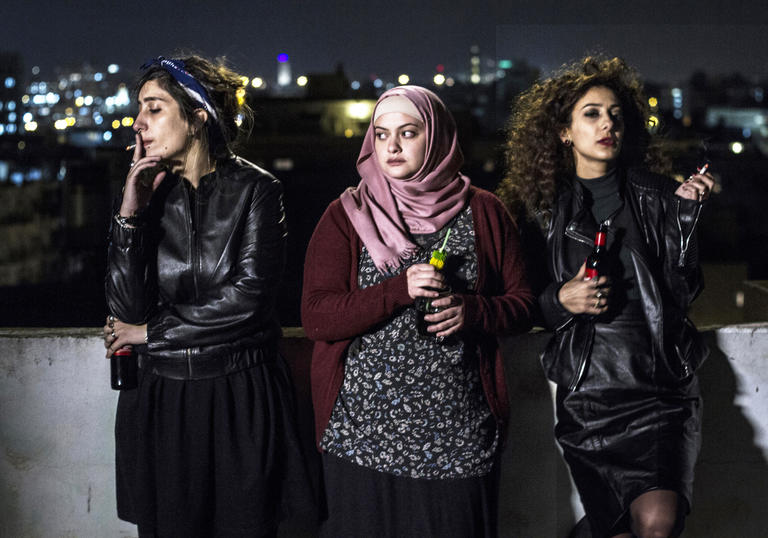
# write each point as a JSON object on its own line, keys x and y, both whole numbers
{"x": 608, "y": 122}
{"x": 393, "y": 144}
{"x": 139, "y": 124}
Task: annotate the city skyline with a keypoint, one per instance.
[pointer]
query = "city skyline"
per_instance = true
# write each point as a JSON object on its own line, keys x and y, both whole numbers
{"x": 394, "y": 39}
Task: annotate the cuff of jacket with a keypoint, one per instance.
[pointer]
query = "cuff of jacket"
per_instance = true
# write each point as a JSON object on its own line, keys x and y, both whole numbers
{"x": 554, "y": 313}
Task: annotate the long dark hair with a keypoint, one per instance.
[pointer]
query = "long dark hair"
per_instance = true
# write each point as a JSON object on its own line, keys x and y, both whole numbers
{"x": 537, "y": 159}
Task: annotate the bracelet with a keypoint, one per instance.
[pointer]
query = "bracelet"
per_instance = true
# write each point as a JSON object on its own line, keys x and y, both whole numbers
{"x": 127, "y": 223}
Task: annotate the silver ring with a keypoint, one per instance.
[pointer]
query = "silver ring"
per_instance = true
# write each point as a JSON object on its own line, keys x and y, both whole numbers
{"x": 600, "y": 294}
{"x": 597, "y": 303}
{"x": 113, "y": 335}
{"x": 131, "y": 165}
{"x": 111, "y": 318}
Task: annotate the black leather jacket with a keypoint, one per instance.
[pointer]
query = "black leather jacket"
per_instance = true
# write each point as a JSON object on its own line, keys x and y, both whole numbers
{"x": 202, "y": 270}
{"x": 660, "y": 234}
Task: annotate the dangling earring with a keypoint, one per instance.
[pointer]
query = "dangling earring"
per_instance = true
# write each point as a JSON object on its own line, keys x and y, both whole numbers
{"x": 567, "y": 142}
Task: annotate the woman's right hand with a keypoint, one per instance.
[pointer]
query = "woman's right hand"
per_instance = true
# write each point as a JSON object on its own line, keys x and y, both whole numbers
{"x": 421, "y": 277}
{"x": 138, "y": 188}
{"x": 582, "y": 296}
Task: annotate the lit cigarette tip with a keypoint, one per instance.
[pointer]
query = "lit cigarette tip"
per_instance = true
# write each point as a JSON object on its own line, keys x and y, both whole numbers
{"x": 129, "y": 148}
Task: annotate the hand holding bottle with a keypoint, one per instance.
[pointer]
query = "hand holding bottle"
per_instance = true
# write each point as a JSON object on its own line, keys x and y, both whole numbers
{"x": 582, "y": 295}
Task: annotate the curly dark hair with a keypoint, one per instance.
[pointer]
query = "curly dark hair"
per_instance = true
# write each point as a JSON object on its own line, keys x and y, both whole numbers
{"x": 536, "y": 157}
{"x": 226, "y": 90}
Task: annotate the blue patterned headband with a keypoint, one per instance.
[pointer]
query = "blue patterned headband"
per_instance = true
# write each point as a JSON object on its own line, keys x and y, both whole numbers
{"x": 189, "y": 84}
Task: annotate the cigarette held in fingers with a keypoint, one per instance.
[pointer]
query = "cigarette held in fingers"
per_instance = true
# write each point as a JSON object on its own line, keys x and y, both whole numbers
{"x": 130, "y": 148}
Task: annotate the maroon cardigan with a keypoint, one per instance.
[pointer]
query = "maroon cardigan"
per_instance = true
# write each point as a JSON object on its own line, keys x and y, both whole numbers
{"x": 334, "y": 310}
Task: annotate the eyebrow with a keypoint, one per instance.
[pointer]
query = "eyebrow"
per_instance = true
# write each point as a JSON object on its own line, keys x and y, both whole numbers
{"x": 399, "y": 126}
{"x": 152, "y": 98}
{"x": 612, "y": 105}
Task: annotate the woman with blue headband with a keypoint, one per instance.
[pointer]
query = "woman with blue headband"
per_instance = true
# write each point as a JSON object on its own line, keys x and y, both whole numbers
{"x": 206, "y": 443}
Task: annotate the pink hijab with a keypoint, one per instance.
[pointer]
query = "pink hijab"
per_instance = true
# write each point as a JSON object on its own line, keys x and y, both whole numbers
{"x": 385, "y": 211}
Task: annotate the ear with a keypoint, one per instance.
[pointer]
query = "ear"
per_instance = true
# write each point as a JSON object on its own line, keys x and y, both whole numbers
{"x": 198, "y": 120}
{"x": 565, "y": 135}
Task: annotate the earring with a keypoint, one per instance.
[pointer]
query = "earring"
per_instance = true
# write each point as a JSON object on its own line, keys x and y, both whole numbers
{"x": 567, "y": 142}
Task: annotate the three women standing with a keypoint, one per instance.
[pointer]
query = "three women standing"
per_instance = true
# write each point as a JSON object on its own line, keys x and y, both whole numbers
{"x": 623, "y": 354}
{"x": 206, "y": 445}
{"x": 411, "y": 425}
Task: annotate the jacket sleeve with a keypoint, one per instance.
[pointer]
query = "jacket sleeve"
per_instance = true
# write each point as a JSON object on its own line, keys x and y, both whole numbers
{"x": 505, "y": 304}
{"x": 245, "y": 302}
{"x": 554, "y": 314}
{"x": 681, "y": 265}
{"x": 332, "y": 306}
{"x": 128, "y": 286}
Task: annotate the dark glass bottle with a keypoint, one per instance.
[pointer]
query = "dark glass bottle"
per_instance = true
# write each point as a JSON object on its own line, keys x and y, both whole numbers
{"x": 596, "y": 259}
{"x": 423, "y": 304}
{"x": 123, "y": 366}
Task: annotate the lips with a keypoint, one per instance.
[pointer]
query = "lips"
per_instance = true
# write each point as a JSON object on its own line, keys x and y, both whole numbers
{"x": 395, "y": 162}
{"x": 607, "y": 141}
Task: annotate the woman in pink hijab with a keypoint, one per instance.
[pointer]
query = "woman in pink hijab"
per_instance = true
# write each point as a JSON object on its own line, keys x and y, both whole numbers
{"x": 410, "y": 412}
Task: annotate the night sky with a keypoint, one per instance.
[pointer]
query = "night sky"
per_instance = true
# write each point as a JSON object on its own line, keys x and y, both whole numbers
{"x": 387, "y": 38}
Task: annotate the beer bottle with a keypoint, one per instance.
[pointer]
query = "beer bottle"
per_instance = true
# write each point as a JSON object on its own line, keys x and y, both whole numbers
{"x": 596, "y": 259}
{"x": 424, "y": 304}
{"x": 123, "y": 369}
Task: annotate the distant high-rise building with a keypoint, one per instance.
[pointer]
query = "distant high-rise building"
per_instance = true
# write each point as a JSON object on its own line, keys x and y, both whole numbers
{"x": 11, "y": 89}
{"x": 283, "y": 70}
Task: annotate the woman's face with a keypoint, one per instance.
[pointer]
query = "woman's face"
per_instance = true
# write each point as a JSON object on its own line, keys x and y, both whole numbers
{"x": 163, "y": 129}
{"x": 596, "y": 132}
{"x": 401, "y": 144}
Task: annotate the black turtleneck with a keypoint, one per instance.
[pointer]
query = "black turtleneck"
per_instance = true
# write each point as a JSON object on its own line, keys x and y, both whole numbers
{"x": 602, "y": 195}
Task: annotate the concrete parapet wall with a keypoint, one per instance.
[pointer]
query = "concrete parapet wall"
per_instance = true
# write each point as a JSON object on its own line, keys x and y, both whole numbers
{"x": 57, "y": 445}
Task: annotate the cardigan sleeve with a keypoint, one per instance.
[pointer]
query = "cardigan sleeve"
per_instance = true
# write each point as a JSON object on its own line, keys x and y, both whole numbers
{"x": 504, "y": 301}
{"x": 332, "y": 306}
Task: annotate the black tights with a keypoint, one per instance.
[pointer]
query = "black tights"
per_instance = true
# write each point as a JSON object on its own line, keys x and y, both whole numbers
{"x": 656, "y": 514}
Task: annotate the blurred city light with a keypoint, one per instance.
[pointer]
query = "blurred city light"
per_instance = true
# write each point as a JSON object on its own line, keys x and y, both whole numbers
{"x": 115, "y": 124}
{"x": 359, "y": 110}
{"x": 80, "y": 101}
{"x": 349, "y": 133}
{"x": 126, "y": 121}
{"x": 257, "y": 82}
{"x": 113, "y": 68}
{"x": 653, "y": 102}
{"x": 302, "y": 81}
{"x": 30, "y": 126}
{"x": 355, "y": 85}
{"x": 60, "y": 125}
{"x": 439, "y": 79}
{"x": 240, "y": 95}
{"x": 403, "y": 79}
{"x": 70, "y": 121}
{"x": 736, "y": 147}
{"x": 475, "y": 78}
{"x": 282, "y": 57}
{"x": 245, "y": 80}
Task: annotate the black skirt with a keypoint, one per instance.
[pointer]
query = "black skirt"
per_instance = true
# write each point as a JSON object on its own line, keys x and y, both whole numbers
{"x": 364, "y": 502}
{"x": 210, "y": 457}
{"x": 629, "y": 428}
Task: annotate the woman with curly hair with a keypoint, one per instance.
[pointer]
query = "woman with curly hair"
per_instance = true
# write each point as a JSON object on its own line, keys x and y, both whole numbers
{"x": 206, "y": 443}
{"x": 623, "y": 353}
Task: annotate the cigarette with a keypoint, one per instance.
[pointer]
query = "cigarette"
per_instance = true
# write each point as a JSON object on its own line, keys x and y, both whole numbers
{"x": 703, "y": 169}
{"x": 130, "y": 148}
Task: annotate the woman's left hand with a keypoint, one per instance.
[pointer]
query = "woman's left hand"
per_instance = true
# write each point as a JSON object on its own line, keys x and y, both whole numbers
{"x": 697, "y": 187}
{"x": 449, "y": 320}
{"x": 118, "y": 334}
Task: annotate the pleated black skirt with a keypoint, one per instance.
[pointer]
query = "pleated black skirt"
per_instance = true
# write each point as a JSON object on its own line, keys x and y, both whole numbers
{"x": 629, "y": 428}
{"x": 363, "y": 502}
{"x": 211, "y": 457}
